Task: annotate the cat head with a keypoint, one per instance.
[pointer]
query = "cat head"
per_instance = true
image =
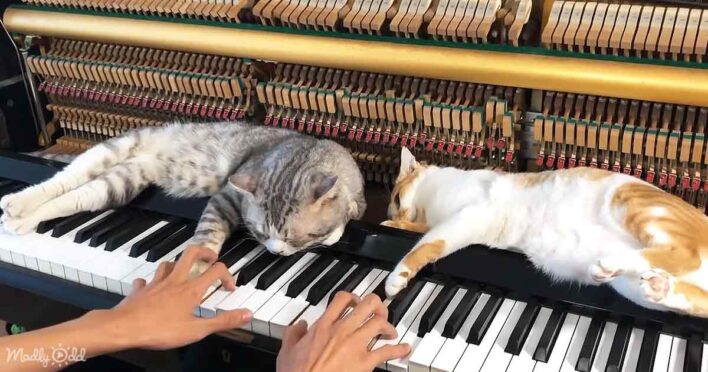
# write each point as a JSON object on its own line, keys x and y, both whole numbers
{"x": 411, "y": 173}
{"x": 287, "y": 216}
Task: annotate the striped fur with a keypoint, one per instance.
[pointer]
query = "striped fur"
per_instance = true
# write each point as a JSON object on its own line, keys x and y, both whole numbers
{"x": 291, "y": 191}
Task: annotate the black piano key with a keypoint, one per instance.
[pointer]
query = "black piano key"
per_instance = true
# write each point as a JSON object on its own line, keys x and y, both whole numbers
{"x": 327, "y": 282}
{"x": 589, "y": 348}
{"x": 380, "y": 289}
{"x": 151, "y": 240}
{"x": 130, "y": 231}
{"x": 521, "y": 330}
{"x": 307, "y": 276}
{"x": 46, "y": 226}
{"x": 237, "y": 251}
{"x": 480, "y": 326}
{"x": 111, "y": 228}
{"x": 70, "y": 223}
{"x": 255, "y": 267}
{"x": 5, "y": 183}
{"x": 87, "y": 232}
{"x": 351, "y": 281}
{"x": 436, "y": 308}
{"x": 11, "y": 188}
{"x": 549, "y": 336}
{"x": 619, "y": 347}
{"x": 173, "y": 241}
{"x": 400, "y": 304}
{"x": 276, "y": 271}
{"x": 647, "y": 352}
{"x": 458, "y": 316}
{"x": 694, "y": 354}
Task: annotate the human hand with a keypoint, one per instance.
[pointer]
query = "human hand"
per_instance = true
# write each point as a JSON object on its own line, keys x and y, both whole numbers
{"x": 160, "y": 315}
{"x": 336, "y": 343}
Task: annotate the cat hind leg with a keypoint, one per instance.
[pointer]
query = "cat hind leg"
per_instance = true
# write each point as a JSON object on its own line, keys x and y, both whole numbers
{"x": 676, "y": 294}
{"x": 85, "y": 167}
{"x": 115, "y": 187}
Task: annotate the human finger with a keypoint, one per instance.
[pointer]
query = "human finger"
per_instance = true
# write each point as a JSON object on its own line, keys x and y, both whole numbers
{"x": 190, "y": 256}
{"x": 341, "y": 302}
{"x": 369, "y": 306}
{"x": 163, "y": 271}
{"x": 294, "y": 333}
{"x": 374, "y": 327}
{"x": 217, "y": 272}
{"x": 226, "y": 320}
{"x": 388, "y": 352}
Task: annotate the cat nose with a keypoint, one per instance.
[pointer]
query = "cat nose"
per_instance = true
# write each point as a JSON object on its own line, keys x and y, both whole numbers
{"x": 277, "y": 246}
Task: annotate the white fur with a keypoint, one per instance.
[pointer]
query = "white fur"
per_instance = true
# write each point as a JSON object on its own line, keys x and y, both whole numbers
{"x": 566, "y": 226}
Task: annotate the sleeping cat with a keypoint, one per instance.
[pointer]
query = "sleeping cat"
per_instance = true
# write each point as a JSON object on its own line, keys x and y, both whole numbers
{"x": 586, "y": 225}
{"x": 290, "y": 190}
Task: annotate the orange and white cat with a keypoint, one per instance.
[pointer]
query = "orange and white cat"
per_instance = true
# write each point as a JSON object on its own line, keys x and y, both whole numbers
{"x": 585, "y": 225}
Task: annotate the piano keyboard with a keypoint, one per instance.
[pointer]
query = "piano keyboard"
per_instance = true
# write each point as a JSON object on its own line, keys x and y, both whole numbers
{"x": 450, "y": 327}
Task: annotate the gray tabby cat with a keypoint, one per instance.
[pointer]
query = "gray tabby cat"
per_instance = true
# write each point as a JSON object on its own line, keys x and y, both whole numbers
{"x": 290, "y": 190}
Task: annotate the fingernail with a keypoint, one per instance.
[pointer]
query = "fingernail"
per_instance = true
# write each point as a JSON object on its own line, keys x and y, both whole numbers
{"x": 247, "y": 315}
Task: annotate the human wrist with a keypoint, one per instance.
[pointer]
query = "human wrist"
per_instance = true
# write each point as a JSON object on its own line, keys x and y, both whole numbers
{"x": 114, "y": 330}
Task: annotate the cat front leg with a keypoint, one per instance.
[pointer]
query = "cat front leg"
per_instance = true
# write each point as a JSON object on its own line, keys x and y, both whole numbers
{"x": 456, "y": 232}
{"x": 83, "y": 169}
{"x": 219, "y": 219}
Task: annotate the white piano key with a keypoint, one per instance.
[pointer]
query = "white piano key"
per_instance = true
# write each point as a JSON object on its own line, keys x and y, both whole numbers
{"x": 474, "y": 355}
{"x": 215, "y": 296}
{"x": 498, "y": 359}
{"x": 663, "y": 353}
{"x": 314, "y": 312}
{"x": 411, "y": 337}
{"x": 563, "y": 342}
{"x": 576, "y": 343}
{"x": 293, "y": 308}
{"x": 421, "y": 359}
{"x": 100, "y": 265}
{"x": 147, "y": 270}
{"x": 604, "y": 347}
{"x": 453, "y": 349}
{"x": 704, "y": 358}
{"x": 635, "y": 344}
{"x": 242, "y": 293}
{"x": 260, "y": 297}
{"x": 123, "y": 264}
{"x": 678, "y": 353}
{"x": 524, "y": 361}
{"x": 260, "y": 323}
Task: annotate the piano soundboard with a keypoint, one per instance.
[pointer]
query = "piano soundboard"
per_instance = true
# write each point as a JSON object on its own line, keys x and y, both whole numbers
{"x": 519, "y": 85}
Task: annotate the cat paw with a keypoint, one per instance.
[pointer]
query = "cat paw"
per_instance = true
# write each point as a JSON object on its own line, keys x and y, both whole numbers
{"x": 18, "y": 226}
{"x": 396, "y": 281}
{"x": 656, "y": 284}
{"x": 20, "y": 203}
{"x": 605, "y": 270}
{"x": 198, "y": 268}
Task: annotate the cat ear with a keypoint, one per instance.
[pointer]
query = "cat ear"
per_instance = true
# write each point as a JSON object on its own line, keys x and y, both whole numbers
{"x": 323, "y": 186}
{"x": 408, "y": 162}
{"x": 244, "y": 183}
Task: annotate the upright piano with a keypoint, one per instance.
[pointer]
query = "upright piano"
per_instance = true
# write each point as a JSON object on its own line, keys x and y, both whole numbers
{"x": 519, "y": 85}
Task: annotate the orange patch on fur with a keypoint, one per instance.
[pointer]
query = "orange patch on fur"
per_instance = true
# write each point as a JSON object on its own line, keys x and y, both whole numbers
{"x": 402, "y": 186}
{"x": 407, "y": 225}
{"x": 696, "y": 296}
{"x": 674, "y": 233}
{"x": 534, "y": 179}
{"x": 423, "y": 255}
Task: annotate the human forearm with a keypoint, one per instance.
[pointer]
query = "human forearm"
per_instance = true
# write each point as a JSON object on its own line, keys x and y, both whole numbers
{"x": 98, "y": 332}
